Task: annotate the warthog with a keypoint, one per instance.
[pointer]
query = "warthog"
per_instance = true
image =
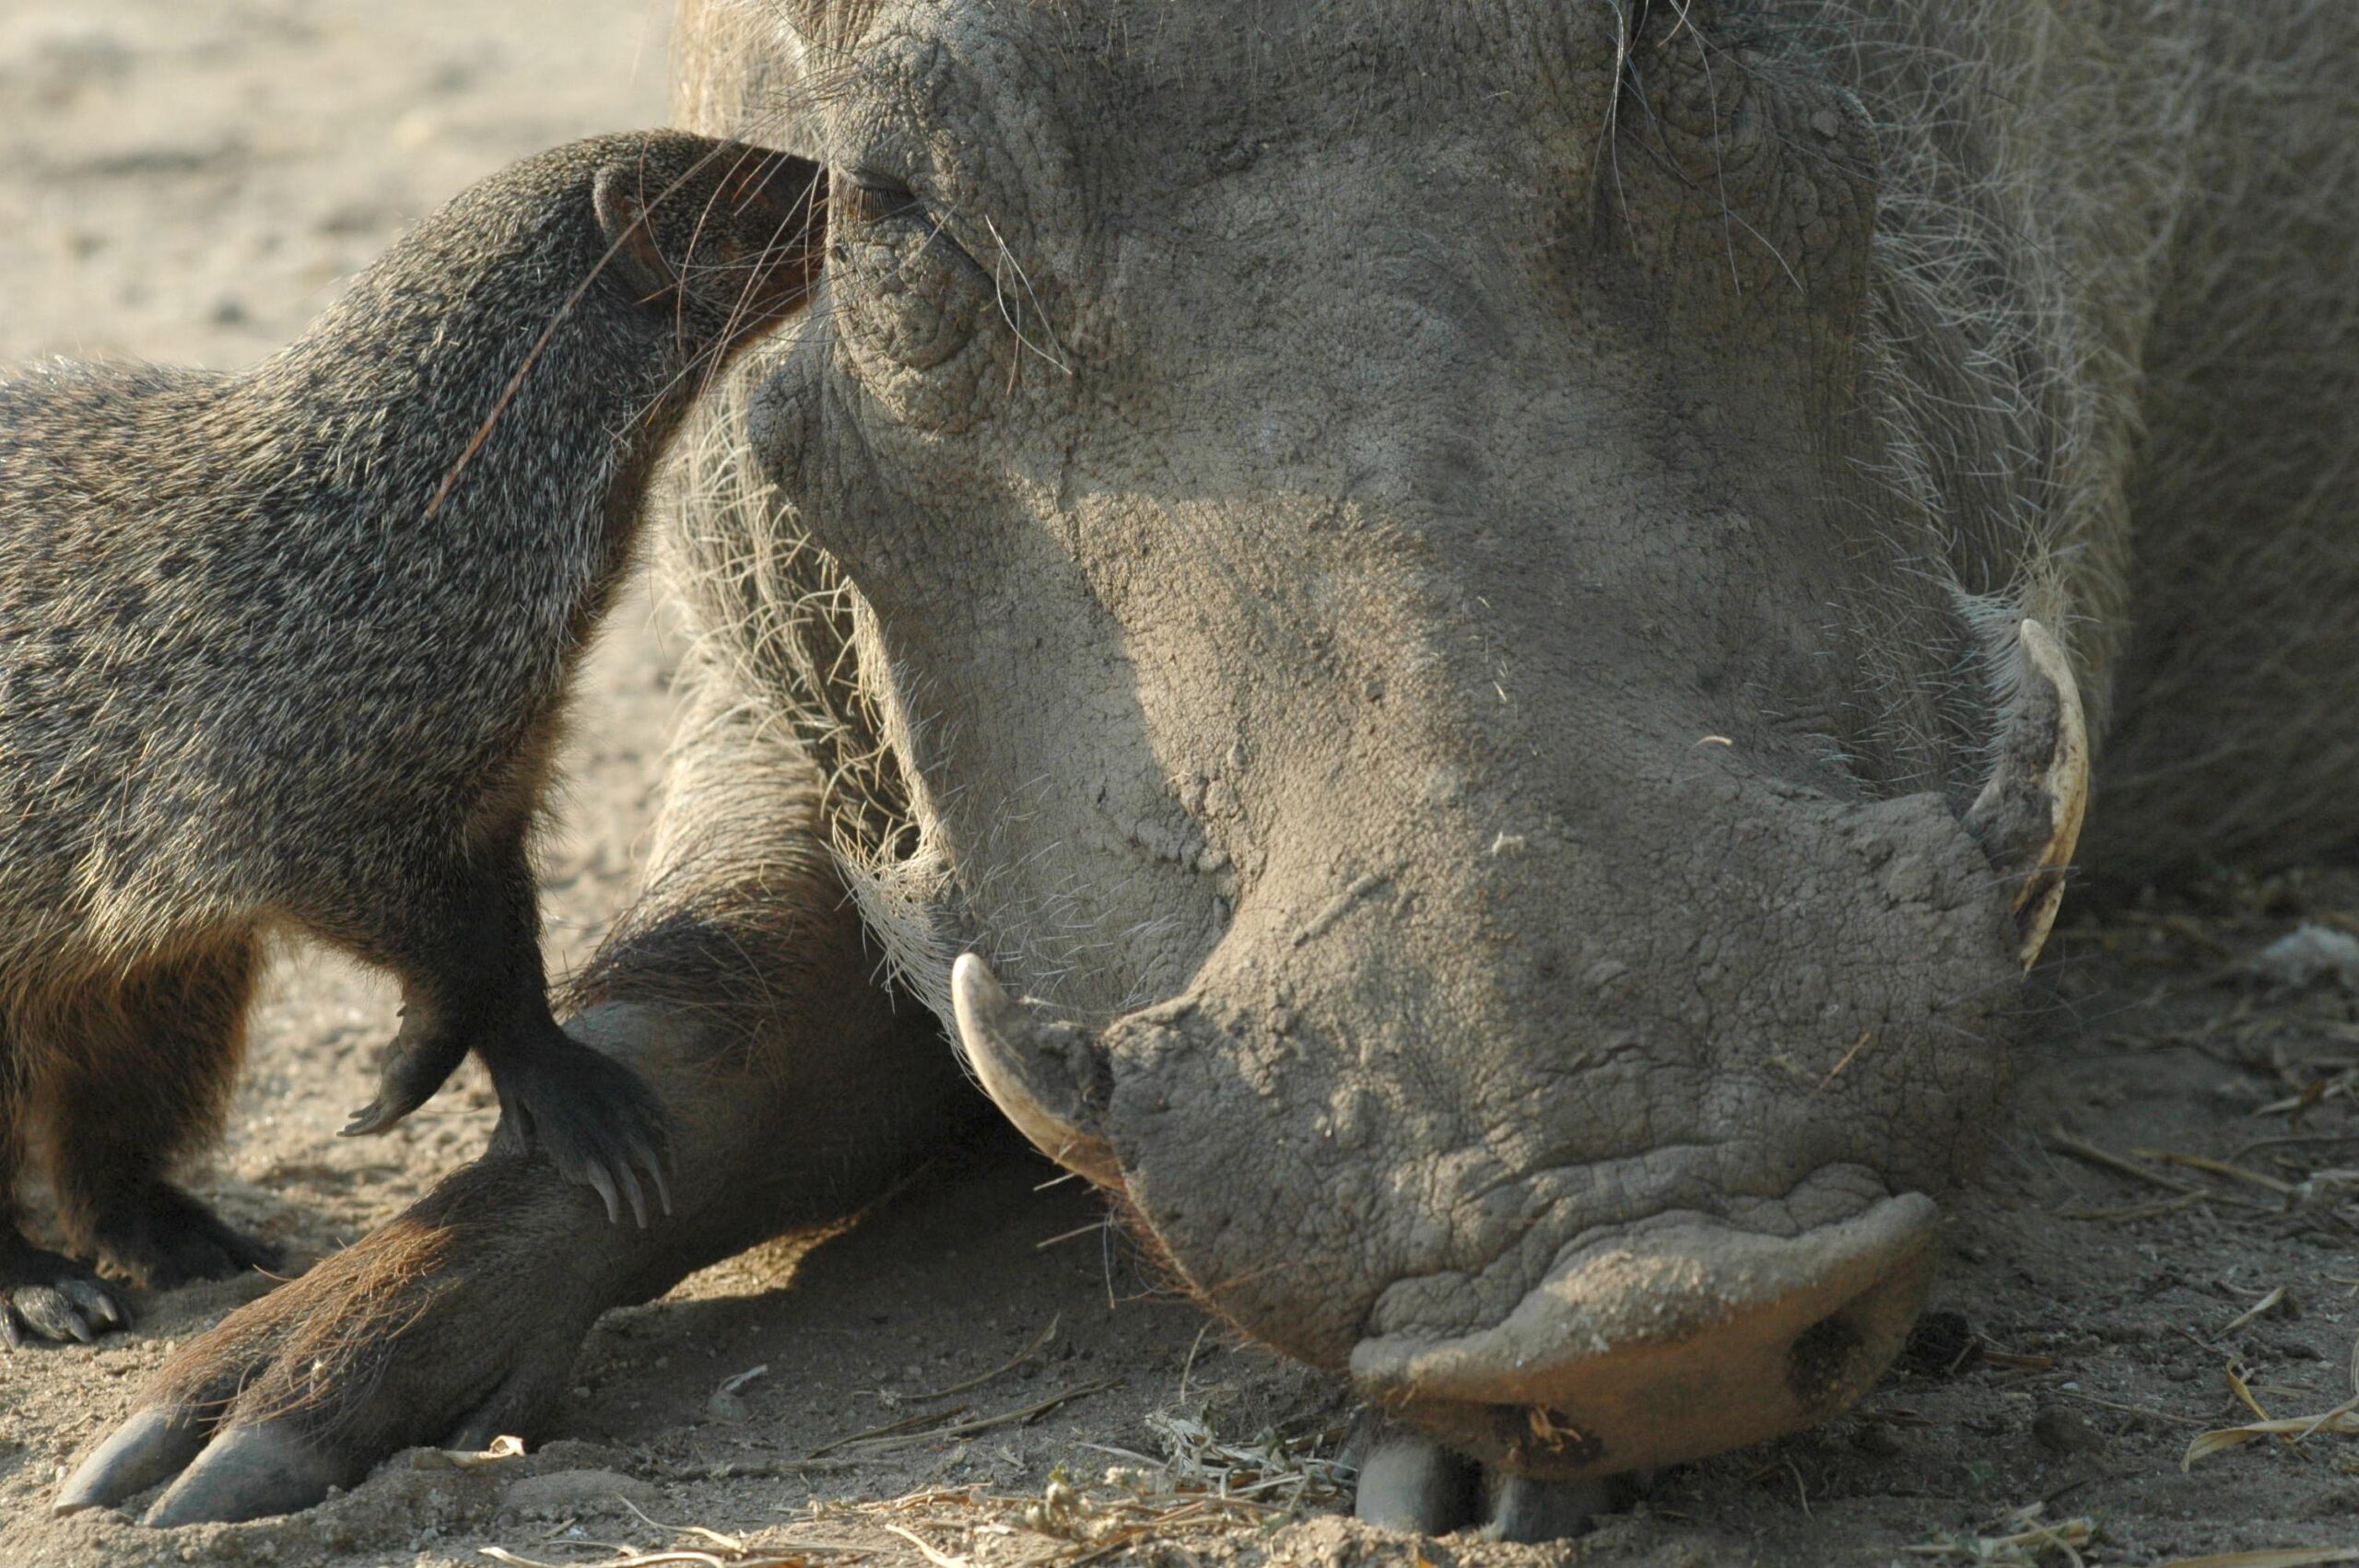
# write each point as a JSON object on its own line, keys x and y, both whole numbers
{"x": 1498, "y": 614}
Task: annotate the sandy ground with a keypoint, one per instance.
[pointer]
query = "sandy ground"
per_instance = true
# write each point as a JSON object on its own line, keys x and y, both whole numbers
{"x": 190, "y": 181}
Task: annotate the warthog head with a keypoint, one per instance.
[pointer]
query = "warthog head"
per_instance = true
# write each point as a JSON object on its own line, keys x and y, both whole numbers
{"x": 1440, "y": 595}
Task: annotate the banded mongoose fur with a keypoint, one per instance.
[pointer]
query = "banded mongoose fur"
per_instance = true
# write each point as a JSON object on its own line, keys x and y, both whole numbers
{"x": 289, "y": 647}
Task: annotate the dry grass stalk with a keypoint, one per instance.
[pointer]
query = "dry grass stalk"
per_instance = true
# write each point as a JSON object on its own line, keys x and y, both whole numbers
{"x": 868, "y": 1434}
{"x": 2316, "y": 1091}
{"x": 642, "y": 1560}
{"x": 2134, "y": 1211}
{"x": 2259, "y": 1310}
{"x": 2342, "y": 1420}
{"x": 927, "y": 1550}
{"x": 1856, "y": 1046}
{"x": 2026, "y": 1542}
{"x": 2275, "y": 1557}
{"x": 1006, "y": 1418}
{"x": 2217, "y": 1167}
{"x": 2081, "y": 1149}
{"x": 726, "y": 1543}
{"x": 1039, "y": 1342}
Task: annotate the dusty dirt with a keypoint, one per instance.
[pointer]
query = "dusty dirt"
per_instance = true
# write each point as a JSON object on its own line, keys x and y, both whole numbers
{"x": 190, "y": 183}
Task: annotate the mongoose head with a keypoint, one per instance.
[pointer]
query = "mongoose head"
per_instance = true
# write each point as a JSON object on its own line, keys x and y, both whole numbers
{"x": 624, "y": 269}
{"x": 721, "y": 241}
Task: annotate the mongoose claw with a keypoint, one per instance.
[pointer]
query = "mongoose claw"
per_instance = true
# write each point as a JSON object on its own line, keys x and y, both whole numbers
{"x": 47, "y": 1314}
{"x": 589, "y": 1117}
{"x": 620, "y": 1183}
{"x": 374, "y": 1118}
{"x": 97, "y": 1301}
{"x": 51, "y": 1297}
{"x": 417, "y": 1062}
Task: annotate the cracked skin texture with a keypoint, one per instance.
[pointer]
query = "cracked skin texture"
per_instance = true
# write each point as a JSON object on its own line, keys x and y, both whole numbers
{"x": 1440, "y": 588}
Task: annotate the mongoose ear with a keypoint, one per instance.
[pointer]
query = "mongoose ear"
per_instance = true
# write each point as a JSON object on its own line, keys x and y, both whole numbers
{"x": 619, "y": 200}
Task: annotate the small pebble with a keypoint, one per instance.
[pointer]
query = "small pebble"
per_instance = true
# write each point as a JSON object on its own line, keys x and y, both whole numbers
{"x": 2060, "y": 1430}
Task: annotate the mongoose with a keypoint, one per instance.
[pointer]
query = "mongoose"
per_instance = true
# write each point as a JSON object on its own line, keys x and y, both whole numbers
{"x": 288, "y": 648}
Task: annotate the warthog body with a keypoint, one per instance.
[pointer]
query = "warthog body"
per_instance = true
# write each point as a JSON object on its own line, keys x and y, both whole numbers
{"x": 1458, "y": 594}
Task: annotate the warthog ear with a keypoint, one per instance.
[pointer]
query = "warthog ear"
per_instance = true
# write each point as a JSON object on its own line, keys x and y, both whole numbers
{"x": 1050, "y": 1079}
{"x": 620, "y": 202}
{"x": 2027, "y": 819}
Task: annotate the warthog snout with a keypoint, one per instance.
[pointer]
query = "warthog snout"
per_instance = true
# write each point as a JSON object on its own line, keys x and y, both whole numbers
{"x": 1665, "y": 1341}
{"x": 1678, "y": 1339}
{"x": 1585, "y": 1217}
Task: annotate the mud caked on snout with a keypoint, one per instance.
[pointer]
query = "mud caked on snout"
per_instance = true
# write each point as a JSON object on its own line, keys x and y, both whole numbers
{"x": 1669, "y": 1338}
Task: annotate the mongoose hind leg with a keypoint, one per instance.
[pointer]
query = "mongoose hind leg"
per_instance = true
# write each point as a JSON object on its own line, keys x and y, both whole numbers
{"x": 468, "y": 956}
{"x": 42, "y": 1294}
{"x": 161, "y": 1238}
{"x": 150, "y": 1082}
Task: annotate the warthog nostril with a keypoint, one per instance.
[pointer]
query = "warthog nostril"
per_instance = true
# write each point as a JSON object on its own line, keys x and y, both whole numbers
{"x": 1821, "y": 1363}
{"x": 1668, "y": 1343}
{"x": 1547, "y": 1433}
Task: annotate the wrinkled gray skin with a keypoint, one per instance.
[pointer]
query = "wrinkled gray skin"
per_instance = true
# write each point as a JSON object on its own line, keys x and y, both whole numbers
{"x": 1438, "y": 584}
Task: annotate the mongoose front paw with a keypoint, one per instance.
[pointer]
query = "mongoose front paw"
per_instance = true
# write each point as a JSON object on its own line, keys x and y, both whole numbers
{"x": 418, "y": 1061}
{"x": 591, "y": 1117}
{"x": 380, "y": 1114}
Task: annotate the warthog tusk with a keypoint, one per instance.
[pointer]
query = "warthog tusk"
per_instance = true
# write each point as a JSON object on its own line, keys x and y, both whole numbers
{"x": 1050, "y": 1079}
{"x": 2028, "y": 818}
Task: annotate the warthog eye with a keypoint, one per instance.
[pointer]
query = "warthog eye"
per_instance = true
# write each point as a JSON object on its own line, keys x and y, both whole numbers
{"x": 909, "y": 297}
{"x": 862, "y": 197}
